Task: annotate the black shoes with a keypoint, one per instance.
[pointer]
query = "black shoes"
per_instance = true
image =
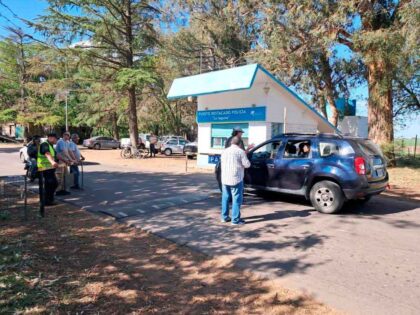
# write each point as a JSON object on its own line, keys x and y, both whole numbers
{"x": 76, "y": 187}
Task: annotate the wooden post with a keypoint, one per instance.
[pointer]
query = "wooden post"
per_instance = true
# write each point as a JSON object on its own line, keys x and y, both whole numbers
{"x": 186, "y": 162}
{"x": 25, "y": 209}
{"x": 41, "y": 195}
{"x": 415, "y": 146}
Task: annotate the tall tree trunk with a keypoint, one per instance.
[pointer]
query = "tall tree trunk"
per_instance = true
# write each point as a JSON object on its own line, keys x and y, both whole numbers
{"x": 132, "y": 117}
{"x": 329, "y": 88}
{"x": 132, "y": 104}
{"x": 334, "y": 111}
{"x": 381, "y": 126}
{"x": 115, "y": 131}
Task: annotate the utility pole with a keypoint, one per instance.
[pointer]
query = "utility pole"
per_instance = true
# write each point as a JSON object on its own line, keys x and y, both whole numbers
{"x": 66, "y": 92}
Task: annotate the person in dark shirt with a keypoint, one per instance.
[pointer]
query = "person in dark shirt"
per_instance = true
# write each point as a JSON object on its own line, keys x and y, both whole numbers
{"x": 33, "y": 147}
{"x": 32, "y": 151}
{"x": 46, "y": 160}
{"x": 304, "y": 150}
{"x": 238, "y": 132}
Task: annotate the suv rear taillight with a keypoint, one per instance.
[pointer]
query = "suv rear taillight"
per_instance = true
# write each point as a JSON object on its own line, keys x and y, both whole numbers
{"x": 360, "y": 166}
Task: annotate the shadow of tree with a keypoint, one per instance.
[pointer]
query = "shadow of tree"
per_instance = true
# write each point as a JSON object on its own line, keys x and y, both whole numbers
{"x": 86, "y": 265}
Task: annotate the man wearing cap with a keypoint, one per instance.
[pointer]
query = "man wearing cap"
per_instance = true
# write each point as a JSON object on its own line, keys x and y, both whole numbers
{"x": 46, "y": 161}
{"x": 236, "y": 132}
{"x": 233, "y": 164}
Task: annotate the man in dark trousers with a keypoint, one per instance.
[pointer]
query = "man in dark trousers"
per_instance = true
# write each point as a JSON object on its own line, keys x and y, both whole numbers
{"x": 46, "y": 161}
{"x": 153, "y": 141}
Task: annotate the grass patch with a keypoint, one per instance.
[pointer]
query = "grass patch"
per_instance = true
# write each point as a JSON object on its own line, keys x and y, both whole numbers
{"x": 18, "y": 294}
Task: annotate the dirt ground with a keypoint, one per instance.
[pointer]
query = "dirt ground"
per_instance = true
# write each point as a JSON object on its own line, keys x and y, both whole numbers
{"x": 172, "y": 164}
{"x": 74, "y": 262}
{"x": 405, "y": 182}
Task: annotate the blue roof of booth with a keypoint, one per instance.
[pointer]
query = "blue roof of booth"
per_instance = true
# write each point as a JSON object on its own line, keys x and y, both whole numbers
{"x": 239, "y": 78}
{"x": 214, "y": 82}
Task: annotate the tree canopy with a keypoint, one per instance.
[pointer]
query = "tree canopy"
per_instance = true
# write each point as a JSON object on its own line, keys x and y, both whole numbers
{"x": 114, "y": 60}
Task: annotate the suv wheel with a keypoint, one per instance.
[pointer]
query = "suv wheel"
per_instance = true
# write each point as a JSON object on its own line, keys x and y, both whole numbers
{"x": 97, "y": 146}
{"x": 167, "y": 152}
{"x": 327, "y": 197}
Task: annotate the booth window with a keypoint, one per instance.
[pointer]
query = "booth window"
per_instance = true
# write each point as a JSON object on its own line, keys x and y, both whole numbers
{"x": 221, "y": 132}
{"x": 276, "y": 129}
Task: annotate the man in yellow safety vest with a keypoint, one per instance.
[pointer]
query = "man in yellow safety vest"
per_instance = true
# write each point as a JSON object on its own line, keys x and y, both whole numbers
{"x": 46, "y": 161}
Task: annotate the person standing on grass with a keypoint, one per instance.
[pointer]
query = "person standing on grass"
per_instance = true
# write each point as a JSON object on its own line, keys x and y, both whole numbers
{"x": 233, "y": 164}
{"x": 74, "y": 169}
{"x": 47, "y": 164}
{"x": 65, "y": 158}
{"x": 153, "y": 140}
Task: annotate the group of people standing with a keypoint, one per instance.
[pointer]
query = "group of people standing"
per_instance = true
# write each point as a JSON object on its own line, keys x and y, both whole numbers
{"x": 54, "y": 163}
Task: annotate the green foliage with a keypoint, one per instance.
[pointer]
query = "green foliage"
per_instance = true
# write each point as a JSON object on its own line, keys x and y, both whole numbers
{"x": 102, "y": 58}
{"x": 127, "y": 78}
{"x": 8, "y": 115}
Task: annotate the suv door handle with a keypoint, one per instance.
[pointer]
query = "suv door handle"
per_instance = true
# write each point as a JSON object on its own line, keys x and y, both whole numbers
{"x": 306, "y": 166}
{"x": 269, "y": 165}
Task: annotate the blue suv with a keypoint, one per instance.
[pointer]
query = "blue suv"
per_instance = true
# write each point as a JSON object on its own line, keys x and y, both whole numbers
{"x": 326, "y": 169}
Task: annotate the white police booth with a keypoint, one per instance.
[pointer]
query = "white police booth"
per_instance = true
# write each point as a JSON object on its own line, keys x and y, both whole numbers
{"x": 248, "y": 97}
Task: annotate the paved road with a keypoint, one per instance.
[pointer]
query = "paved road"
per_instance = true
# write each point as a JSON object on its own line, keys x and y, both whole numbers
{"x": 364, "y": 261}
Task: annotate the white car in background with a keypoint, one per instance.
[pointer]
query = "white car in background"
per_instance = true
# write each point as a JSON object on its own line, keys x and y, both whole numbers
{"x": 126, "y": 142}
{"x": 23, "y": 152}
{"x": 173, "y": 146}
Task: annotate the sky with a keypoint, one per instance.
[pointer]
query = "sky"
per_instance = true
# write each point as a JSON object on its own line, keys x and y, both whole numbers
{"x": 30, "y": 9}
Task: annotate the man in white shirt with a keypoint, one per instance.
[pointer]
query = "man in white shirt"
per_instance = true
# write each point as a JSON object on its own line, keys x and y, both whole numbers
{"x": 74, "y": 169}
{"x": 65, "y": 159}
{"x": 233, "y": 164}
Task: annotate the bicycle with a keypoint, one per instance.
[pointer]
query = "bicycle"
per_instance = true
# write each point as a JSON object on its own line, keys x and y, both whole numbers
{"x": 129, "y": 153}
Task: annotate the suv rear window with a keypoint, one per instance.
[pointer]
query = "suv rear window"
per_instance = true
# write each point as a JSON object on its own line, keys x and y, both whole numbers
{"x": 330, "y": 147}
{"x": 369, "y": 147}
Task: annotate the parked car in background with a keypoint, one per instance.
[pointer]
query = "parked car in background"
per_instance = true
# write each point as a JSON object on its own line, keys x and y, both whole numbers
{"x": 126, "y": 142}
{"x": 173, "y": 146}
{"x": 326, "y": 169}
{"x": 190, "y": 149}
{"x": 166, "y": 138}
{"x": 101, "y": 142}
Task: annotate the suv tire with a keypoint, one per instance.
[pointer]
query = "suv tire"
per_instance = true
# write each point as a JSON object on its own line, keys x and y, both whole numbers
{"x": 97, "y": 146}
{"x": 326, "y": 197}
{"x": 167, "y": 152}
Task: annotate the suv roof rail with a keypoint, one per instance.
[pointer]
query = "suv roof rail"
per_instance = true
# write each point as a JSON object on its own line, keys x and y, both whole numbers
{"x": 332, "y": 135}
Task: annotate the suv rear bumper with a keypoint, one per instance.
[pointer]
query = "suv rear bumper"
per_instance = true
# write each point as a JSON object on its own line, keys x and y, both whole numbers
{"x": 372, "y": 188}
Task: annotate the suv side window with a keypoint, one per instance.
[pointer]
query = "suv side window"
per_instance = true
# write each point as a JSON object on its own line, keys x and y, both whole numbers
{"x": 297, "y": 149}
{"x": 182, "y": 141}
{"x": 173, "y": 142}
{"x": 327, "y": 148}
{"x": 266, "y": 151}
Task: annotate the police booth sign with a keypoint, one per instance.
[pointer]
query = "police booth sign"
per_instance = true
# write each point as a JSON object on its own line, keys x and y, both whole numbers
{"x": 232, "y": 115}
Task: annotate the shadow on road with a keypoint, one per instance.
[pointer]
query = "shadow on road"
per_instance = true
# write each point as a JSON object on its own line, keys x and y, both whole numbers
{"x": 10, "y": 149}
{"x": 278, "y": 215}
